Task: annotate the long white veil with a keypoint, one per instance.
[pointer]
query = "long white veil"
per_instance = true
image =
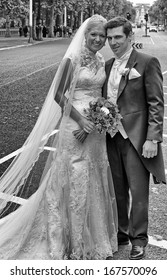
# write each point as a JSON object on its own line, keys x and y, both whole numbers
{"x": 15, "y": 179}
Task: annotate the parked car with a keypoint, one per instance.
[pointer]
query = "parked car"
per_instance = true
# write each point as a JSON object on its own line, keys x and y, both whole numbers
{"x": 161, "y": 28}
{"x": 138, "y": 25}
{"x": 153, "y": 29}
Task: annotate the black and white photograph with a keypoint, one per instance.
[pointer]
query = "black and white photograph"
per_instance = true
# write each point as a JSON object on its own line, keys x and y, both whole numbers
{"x": 83, "y": 139}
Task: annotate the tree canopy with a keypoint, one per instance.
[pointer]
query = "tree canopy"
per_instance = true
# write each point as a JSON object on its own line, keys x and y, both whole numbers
{"x": 108, "y": 8}
{"x": 51, "y": 12}
{"x": 158, "y": 11}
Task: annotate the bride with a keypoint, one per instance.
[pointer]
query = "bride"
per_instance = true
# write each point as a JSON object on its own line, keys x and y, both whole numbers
{"x": 72, "y": 214}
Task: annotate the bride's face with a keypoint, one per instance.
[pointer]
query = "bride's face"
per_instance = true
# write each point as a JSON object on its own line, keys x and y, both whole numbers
{"x": 95, "y": 38}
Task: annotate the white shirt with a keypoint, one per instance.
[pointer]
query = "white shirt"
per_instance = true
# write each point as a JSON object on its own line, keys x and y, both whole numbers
{"x": 114, "y": 81}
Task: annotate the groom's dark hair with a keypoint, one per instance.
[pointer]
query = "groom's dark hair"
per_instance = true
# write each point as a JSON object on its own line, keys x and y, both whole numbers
{"x": 120, "y": 21}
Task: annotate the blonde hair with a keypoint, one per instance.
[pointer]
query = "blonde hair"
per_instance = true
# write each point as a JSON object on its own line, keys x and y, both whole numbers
{"x": 94, "y": 21}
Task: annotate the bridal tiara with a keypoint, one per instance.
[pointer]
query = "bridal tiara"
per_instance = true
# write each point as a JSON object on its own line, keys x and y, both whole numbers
{"x": 97, "y": 18}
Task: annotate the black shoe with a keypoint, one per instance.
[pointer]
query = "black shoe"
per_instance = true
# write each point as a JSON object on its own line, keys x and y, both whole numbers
{"x": 109, "y": 258}
{"x": 123, "y": 242}
{"x": 137, "y": 252}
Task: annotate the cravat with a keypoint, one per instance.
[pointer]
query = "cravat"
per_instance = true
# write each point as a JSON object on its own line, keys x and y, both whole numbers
{"x": 114, "y": 81}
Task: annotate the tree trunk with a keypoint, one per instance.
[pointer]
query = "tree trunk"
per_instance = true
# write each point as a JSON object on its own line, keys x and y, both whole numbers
{"x": 7, "y": 33}
{"x": 38, "y": 23}
{"x": 51, "y": 26}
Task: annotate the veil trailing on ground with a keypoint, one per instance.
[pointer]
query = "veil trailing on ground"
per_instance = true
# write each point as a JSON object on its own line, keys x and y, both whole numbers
{"x": 14, "y": 180}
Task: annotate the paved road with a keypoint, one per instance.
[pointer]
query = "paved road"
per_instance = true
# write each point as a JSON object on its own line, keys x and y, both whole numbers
{"x": 26, "y": 74}
{"x": 17, "y": 63}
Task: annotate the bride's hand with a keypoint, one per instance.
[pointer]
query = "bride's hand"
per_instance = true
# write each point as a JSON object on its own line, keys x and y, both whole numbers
{"x": 86, "y": 125}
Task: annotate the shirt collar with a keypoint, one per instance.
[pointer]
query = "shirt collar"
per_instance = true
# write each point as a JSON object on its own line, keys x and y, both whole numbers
{"x": 125, "y": 56}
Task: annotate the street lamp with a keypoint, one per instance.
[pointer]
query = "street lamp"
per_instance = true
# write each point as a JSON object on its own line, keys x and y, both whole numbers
{"x": 30, "y": 40}
{"x": 81, "y": 15}
{"x": 65, "y": 16}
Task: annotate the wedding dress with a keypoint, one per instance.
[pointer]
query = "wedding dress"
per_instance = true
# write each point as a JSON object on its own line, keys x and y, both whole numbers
{"x": 73, "y": 213}
{"x": 77, "y": 219}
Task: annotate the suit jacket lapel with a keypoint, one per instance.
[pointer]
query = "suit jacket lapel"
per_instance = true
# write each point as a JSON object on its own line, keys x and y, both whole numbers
{"x": 130, "y": 64}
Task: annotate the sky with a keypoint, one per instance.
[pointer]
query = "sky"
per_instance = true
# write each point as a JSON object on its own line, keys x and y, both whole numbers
{"x": 142, "y": 1}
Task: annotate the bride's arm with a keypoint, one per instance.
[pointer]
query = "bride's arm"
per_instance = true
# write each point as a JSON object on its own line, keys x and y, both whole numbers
{"x": 64, "y": 83}
{"x": 60, "y": 98}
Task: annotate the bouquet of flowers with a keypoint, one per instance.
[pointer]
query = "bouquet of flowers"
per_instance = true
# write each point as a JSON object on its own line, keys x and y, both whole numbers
{"x": 105, "y": 116}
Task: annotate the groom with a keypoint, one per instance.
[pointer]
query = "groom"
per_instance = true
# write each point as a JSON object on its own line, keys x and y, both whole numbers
{"x": 134, "y": 83}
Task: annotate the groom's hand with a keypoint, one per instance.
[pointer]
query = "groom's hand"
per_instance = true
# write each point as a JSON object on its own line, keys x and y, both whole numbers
{"x": 150, "y": 149}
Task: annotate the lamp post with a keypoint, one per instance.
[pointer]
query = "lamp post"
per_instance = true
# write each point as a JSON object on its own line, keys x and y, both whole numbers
{"x": 65, "y": 16}
{"x": 30, "y": 40}
{"x": 81, "y": 16}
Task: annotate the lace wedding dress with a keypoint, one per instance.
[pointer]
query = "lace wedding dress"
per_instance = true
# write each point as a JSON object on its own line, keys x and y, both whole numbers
{"x": 73, "y": 212}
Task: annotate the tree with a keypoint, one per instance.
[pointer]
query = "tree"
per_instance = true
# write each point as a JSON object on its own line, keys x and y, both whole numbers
{"x": 48, "y": 10}
{"x": 52, "y": 8}
{"x": 11, "y": 8}
{"x": 158, "y": 11}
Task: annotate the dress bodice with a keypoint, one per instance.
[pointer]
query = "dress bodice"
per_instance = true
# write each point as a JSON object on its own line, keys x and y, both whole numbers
{"x": 90, "y": 79}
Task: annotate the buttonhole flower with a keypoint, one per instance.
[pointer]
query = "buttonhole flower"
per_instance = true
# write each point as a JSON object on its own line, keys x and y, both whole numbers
{"x": 124, "y": 72}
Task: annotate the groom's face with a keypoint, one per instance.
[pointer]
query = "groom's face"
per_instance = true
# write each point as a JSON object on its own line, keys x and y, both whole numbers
{"x": 118, "y": 41}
